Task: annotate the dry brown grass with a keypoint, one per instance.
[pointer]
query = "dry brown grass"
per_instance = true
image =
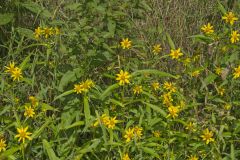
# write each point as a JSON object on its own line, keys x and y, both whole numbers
{"x": 180, "y": 18}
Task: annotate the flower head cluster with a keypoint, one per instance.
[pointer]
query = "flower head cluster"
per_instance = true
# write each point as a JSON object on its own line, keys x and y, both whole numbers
{"x": 33, "y": 100}
{"x": 16, "y": 73}
{"x": 23, "y": 134}
{"x": 170, "y": 87}
{"x": 137, "y": 89}
{"x": 133, "y": 132}
{"x": 234, "y": 37}
{"x": 193, "y": 157}
{"x": 221, "y": 91}
{"x": 126, "y": 157}
{"x": 230, "y": 18}
{"x": 46, "y": 32}
{"x": 218, "y": 70}
{"x": 156, "y": 133}
{"x": 29, "y": 112}
{"x": 191, "y": 126}
{"x": 208, "y": 29}
{"x": 2, "y": 144}
{"x": 173, "y": 111}
{"x": 109, "y": 122}
{"x": 167, "y": 99}
{"x": 125, "y": 43}
{"x": 83, "y": 86}
{"x": 195, "y": 73}
{"x": 207, "y": 136}
{"x": 236, "y": 73}
{"x": 176, "y": 54}
{"x": 155, "y": 85}
{"x": 156, "y": 49}
{"x": 123, "y": 77}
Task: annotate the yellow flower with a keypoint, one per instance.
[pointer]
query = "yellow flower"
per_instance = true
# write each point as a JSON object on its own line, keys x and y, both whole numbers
{"x": 86, "y": 85}
{"x": 77, "y": 88}
{"x": 17, "y": 74}
{"x": 182, "y": 104}
{"x": 234, "y": 37}
{"x": 167, "y": 99}
{"x": 123, "y": 77}
{"x": 126, "y": 157}
{"x": 156, "y": 134}
{"x": 111, "y": 122}
{"x": 173, "y": 111}
{"x": 207, "y": 136}
{"x": 38, "y": 32}
{"x": 137, "y": 89}
{"x": 83, "y": 86}
{"x": 23, "y": 134}
{"x": 33, "y": 101}
{"x": 48, "y": 32}
{"x": 129, "y": 134}
{"x": 103, "y": 119}
{"x": 224, "y": 49}
{"x": 227, "y": 106}
{"x": 16, "y": 100}
{"x": 193, "y": 157}
{"x": 218, "y": 71}
{"x": 195, "y": 73}
{"x": 208, "y": 29}
{"x": 230, "y": 18}
{"x": 10, "y": 68}
{"x": 169, "y": 86}
{"x": 155, "y": 85}
{"x": 125, "y": 43}
{"x": 236, "y": 73}
{"x": 186, "y": 61}
{"x": 157, "y": 49}
{"x": 57, "y": 31}
{"x": 191, "y": 127}
{"x": 196, "y": 57}
{"x": 221, "y": 91}
{"x": 138, "y": 131}
{"x": 175, "y": 54}
{"x": 2, "y": 145}
{"x": 29, "y": 111}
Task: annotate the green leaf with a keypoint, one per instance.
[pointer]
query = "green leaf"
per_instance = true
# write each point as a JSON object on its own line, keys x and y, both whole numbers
{"x": 114, "y": 101}
{"x": 26, "y": 32}
{"x": 25, "y": 61}
{"x": 150, "y": 151}
{"x": 170, "y": 41}
{"x": 35, "y": 8}
{"x": 75, "y": 124}
{"x": 89, "y": 148}
{"x": 232, "y": 152}
{"x": 6, "y": 18}
{"x": 208, "y": 80}
{"x": 86, "y": 110}
{"x": 156, "y": 108}
{"x": 50, "y": 152}
{"x": 41, "y": 129}
{"x": 64, "y": 94}
{"x": 221, "y": 7}
{"x": 9, "y": 152}
{"x": 153, "y": 71}
{"x": 47, "y": 107}
{"x": 201, "y": 38}
{"x": 73, "y": 6}
{"x": 108, "y": 91}
{"x": 66, "y": 79}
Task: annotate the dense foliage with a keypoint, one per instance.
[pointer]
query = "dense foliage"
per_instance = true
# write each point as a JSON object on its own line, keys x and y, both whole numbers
{"x": 79, "y": 81}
